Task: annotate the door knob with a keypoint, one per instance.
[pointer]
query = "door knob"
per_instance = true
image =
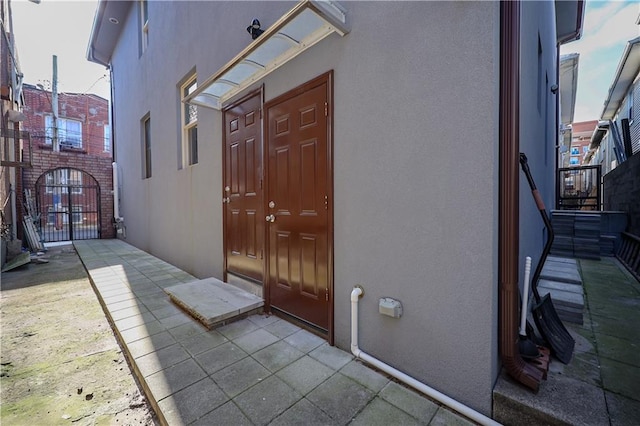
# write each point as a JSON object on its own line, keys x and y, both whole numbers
{"x": 226, "y": 200}
{"x": 271, "y": 218}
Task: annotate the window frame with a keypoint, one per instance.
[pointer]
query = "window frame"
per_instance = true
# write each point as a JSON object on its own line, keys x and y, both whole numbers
{"x": 145, "y": 129}
{"x": 63, "y": 131}
{"x": 188, "y": 124}
{"x": 144, "y": 25}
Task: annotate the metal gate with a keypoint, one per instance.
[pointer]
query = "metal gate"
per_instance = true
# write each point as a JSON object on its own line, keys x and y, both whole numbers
{"x": 579, "y": 188}
{"x": 68, "y": 202}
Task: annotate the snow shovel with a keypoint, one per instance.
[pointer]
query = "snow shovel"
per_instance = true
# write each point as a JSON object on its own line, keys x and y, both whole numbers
{"x": 544, "y": 313}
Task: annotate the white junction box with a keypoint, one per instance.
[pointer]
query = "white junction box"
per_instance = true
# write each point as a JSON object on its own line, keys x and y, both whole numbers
{"x": 390, "y": 307}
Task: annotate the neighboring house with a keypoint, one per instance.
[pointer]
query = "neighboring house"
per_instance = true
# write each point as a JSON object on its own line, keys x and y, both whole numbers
{"x": 580, "y": 139}
{"x": 380, "y": 141}
{"x": 15, "y": 146}
{"x": 616, "y": 141}
{"x": 607, "y": 142}
{"x": 71, "y": 183}
{"x": 568, "y": 88}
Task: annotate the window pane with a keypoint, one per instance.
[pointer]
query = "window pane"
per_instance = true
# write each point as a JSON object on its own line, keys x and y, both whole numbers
{"x": 147, "y": 147}
{"x": 193, "y": 145}
{"x": 74, "y": 133}
{"x": 48, "y": 129}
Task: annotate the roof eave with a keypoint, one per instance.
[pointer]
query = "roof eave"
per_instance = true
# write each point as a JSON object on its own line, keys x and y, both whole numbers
{"x": 626, "y": 73}
{"x": 568, "y": 86}
{"x": 105, "y": 30}
{"x": 569, "y": 20}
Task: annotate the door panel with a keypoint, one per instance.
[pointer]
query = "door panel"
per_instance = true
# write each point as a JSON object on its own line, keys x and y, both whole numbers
{"x": 244, "y": 212}
{"x": 298, "y": 186}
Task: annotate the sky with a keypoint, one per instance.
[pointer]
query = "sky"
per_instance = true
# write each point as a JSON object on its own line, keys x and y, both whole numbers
{"x": 608, "y": 25}
{"x": 63, "y": 28}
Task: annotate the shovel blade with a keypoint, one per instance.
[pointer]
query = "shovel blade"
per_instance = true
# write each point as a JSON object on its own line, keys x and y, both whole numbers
{"x": 552, "y": 329}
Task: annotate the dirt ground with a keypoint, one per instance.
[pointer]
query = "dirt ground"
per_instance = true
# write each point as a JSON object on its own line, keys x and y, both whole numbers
{"x": 61, "y": 363}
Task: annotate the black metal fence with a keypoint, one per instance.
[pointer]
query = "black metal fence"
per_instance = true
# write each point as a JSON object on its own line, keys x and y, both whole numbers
{"x": 579, "y": 188}
{"x": 68, "y": 202}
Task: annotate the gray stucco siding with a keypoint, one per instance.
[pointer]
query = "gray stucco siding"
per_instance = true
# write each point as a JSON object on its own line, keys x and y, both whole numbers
{"x": 415, "y": 162}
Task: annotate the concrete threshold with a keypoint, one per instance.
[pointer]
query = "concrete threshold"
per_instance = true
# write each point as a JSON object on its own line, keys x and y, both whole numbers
{"x": 213, "y": 302}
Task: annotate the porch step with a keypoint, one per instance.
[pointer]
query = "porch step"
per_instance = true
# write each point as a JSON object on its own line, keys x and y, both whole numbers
{"x": 213, "y": 302}
{"x": 561, "y": 400}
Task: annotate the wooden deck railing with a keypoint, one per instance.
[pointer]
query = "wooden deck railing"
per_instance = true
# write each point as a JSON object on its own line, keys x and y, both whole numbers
{"x": 629, "y": 253}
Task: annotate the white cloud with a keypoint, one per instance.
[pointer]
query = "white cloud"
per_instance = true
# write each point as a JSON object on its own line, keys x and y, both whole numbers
{"x": 610, "y": 26}
{"x": 607, "y": 28}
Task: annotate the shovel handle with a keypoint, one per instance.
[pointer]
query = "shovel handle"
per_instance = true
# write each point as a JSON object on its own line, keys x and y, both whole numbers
{"x": 524, "y": 163}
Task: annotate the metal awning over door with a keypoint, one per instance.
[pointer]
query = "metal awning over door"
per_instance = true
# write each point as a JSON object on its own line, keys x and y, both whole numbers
{"x": 309, "y": 22}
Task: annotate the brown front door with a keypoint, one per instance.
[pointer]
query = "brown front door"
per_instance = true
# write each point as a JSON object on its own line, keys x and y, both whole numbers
{"x": 244, "y": 215}
{"x": 298, "y": 194}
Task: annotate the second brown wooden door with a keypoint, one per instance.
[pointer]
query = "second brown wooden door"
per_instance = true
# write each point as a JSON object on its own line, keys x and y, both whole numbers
{"x": 297, "y": 212}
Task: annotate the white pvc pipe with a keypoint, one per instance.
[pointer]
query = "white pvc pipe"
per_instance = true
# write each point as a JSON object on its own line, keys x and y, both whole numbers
{"x": 356, "y": 293}
{"x": 525, "y": 297}
{"x": 116, "y": 197}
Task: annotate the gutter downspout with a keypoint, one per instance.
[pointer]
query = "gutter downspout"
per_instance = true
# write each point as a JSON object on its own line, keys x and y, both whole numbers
{"x": 356, "y": 294}
{"x": 509, "y": 181}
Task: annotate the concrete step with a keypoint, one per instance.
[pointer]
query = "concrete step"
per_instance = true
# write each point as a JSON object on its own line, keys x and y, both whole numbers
{"x": 213, "y": 302}
{"x": 561, "y": 400}
{"x": 562, "y": 298}
{"x": 573, "y": 288}
{"x": 562, "y": 272}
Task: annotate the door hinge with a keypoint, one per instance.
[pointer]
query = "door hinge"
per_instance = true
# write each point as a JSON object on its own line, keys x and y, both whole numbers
{"x": 326, "y": 109}
{"x": 326, "y": 294}
{"x": 260, "y": 183}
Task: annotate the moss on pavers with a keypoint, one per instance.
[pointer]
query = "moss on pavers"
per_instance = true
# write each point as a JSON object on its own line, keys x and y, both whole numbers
{"x": 621, "y": 378}
{"x": 620, "y": 327}
{"x": 622, "y": 410}
{"x": 622, "y": 350}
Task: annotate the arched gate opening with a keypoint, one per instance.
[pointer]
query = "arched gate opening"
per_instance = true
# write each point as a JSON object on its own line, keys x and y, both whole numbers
{"x": 68, "y": 201}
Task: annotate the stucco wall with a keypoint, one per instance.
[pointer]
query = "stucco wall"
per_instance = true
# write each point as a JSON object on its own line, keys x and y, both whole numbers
{"x": 415, "y": 168}
{"x": 537, "y": 123}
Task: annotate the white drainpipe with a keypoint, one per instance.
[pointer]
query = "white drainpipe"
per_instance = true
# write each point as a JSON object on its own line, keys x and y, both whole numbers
{"x": 356, "y": 293}
{"x": 119, "y": 220}
{"x": 116, "y": 197}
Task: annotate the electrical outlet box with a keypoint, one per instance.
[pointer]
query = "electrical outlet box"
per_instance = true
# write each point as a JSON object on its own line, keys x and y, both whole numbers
{"x": 390, "y": 307}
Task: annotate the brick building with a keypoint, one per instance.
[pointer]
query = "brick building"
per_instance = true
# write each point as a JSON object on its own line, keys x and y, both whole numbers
{"x": 72, "y": 187}
{"x": 580, "y": 140}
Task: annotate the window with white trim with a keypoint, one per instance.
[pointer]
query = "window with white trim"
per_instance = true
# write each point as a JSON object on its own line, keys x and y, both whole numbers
{"x": 189, "y": 124}
{"x": 69, "y": 132}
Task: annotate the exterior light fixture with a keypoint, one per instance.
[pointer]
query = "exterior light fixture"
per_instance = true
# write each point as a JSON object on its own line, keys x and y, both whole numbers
{"x": 254, "y": 29}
